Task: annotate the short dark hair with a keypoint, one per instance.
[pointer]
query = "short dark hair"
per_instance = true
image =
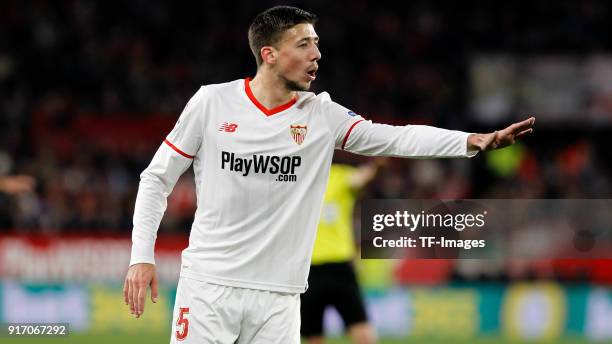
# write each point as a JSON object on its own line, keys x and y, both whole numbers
{"x": 267, "y": 28}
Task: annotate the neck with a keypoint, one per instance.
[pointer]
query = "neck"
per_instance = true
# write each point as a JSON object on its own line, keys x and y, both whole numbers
{"x": 270, "y": 90}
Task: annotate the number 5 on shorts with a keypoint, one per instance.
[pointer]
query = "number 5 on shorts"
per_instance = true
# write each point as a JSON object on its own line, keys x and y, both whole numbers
{"x": 182, "y": 324}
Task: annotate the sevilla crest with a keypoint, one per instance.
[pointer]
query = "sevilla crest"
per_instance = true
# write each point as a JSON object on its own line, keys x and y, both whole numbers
{"x": 298, "y": 132}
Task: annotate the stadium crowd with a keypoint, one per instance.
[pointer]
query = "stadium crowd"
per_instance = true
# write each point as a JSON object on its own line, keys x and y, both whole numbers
{"x": 88, "y": 91}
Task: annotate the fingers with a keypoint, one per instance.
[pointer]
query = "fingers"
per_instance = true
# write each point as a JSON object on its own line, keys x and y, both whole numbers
{"x": 523, "y": 133}
{"x": 510, "y": 134}
{"x": 142, "y": 294}
{"x": 139, "y": 278}
{"x": 154, "y": 289}
{"x": 522, "y": 126}
{"x": 130, "y": 293}
{"x": 134, "y": 300}
{"x": 126, "y": 290}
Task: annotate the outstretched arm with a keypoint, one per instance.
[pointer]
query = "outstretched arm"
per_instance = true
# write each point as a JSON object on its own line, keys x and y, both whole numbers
{"x": 501, "y": 138}
{"x": 409, "y": 141}
{"x": 422, "y": 141}
{"x": 355, "y": 134}
{"x": 17, "y": 184}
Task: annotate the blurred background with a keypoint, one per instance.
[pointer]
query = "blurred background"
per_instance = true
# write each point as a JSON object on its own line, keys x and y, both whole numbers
{"x": 89, "y": 89}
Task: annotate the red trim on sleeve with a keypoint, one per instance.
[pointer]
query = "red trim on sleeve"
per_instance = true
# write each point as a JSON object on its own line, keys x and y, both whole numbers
{"x": 349, "y": 132}
{"x": 265, "y": 110}
{"x": 178, "y": 150}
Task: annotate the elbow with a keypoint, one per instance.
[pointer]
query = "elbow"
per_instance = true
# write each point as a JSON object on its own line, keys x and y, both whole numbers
{"x": 149, "y": 178}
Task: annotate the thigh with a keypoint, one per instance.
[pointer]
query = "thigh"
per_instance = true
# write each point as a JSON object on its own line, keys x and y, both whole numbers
{"x": 205, "y": 313}
{"x": 271, "y": 318}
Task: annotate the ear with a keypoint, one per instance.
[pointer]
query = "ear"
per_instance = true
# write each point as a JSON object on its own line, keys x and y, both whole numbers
{"x": 269, "y": 54}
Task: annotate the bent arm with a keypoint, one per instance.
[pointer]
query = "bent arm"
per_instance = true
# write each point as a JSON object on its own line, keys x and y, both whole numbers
{"x": 366, "y": 173}
{"x": 156, "y": 183}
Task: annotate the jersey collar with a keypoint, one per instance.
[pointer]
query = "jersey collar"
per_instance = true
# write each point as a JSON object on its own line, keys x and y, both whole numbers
{"x": 265, "y": 110}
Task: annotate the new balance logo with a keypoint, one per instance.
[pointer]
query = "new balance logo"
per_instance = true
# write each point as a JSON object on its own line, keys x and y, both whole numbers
{"x": 228, "y": 127}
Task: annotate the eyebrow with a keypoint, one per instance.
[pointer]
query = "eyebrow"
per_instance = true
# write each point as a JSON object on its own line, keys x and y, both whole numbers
{"x": 314, "y": 38}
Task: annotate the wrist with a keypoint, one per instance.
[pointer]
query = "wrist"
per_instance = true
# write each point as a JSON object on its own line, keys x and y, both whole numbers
{"x": 482, "y": 142}
{"x": 474, "y": 142}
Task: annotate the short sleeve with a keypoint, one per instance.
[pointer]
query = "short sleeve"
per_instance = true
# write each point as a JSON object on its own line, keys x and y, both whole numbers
{"x": 340, "y": 119}
{"x": 187, "y": 134}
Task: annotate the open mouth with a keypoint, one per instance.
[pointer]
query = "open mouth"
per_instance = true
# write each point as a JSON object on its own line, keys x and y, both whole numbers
{"x": 312, "y": 73}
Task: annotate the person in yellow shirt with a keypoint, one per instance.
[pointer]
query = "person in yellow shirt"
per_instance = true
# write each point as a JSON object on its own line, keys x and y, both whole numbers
{"x": 332, "y": 280}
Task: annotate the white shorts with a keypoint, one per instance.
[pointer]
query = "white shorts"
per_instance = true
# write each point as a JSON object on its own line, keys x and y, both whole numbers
{"x": 211, "y": 313}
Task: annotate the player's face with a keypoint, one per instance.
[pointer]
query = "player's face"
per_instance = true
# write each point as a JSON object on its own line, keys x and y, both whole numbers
{"x": 298, "y": 54}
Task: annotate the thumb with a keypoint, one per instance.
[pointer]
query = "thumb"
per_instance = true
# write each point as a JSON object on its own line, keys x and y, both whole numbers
{"x": 154, "y": 289}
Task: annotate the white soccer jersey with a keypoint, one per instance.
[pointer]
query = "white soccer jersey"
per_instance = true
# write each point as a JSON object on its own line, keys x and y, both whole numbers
{"x": 260, "y": 176}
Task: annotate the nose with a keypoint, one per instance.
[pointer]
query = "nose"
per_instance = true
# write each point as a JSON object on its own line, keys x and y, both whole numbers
{"x": 317, "y": 54}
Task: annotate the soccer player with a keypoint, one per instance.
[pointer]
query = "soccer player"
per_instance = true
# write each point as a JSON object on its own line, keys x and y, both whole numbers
{"x": 261, "y": 150}
{"x": 332, "y": 280}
